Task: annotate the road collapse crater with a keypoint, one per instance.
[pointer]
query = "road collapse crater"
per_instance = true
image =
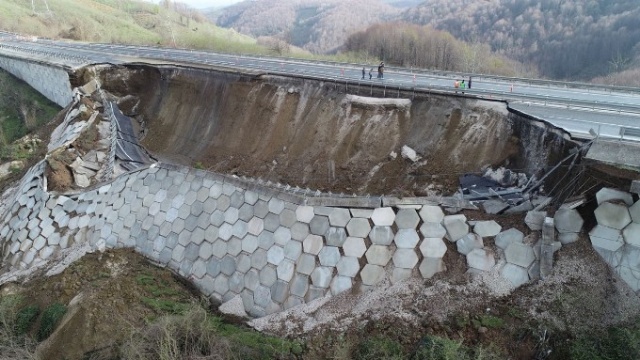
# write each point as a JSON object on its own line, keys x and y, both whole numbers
{"x": 324, "y": 135}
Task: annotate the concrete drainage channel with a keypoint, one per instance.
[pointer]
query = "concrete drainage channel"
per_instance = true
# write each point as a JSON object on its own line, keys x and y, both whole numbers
{"x": 263, "y": 245}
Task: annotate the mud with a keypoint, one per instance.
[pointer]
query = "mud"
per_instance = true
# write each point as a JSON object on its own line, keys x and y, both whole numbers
{"x": 325, "y": 135}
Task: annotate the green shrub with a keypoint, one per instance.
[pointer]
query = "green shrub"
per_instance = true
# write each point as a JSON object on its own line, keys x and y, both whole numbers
{"x": 618, "y": 343}
{"x": 379, "y": 347}
{"x": 437, "y": 348}
{"x": 51, "y": 316}
{"x": 26, "y": 317}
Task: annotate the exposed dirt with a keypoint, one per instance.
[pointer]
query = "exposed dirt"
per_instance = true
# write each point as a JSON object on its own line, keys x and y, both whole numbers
{"x": 319, "y": 135}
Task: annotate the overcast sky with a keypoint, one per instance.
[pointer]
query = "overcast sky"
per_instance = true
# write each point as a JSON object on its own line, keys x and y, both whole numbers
{"x": 199, "y": 4}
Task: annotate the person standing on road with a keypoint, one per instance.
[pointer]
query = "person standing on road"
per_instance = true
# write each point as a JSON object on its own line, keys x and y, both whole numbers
{"x": 363, "y": 72}
{"x": 462, "y": 86}
{"x": 370, "y": 73}
{"x": 469, "y": 82}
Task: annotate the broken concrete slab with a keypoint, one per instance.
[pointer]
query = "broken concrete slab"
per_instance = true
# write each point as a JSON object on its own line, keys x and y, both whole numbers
{"x": 494, "y": 206}
{"x": 469, "y": 242}
{"x": 520, "y": 254}
{"x": 456, "y": 227}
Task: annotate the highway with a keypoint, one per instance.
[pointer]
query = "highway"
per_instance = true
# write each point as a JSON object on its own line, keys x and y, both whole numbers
{"x": 576, "y": 107}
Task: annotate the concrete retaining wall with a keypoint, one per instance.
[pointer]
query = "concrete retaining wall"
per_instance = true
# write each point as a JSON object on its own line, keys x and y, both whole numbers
{"x": 50, "y": 80}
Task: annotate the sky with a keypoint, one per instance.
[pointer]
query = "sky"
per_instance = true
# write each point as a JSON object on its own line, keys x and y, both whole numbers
{"x": 199, "y": 4}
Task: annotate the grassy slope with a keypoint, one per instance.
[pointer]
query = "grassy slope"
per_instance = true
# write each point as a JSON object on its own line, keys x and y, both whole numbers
{"x": 120, "y": 21}
{"x": 16, "y": 96}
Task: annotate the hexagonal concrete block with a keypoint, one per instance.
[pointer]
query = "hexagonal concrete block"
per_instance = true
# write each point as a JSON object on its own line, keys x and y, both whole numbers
{"x": 252, "y": 279}
{"x": 249, "y": 244}
{"x": 358, "y": 227}
{"x": 279, "y": 291}
{"x": 319, "y": 225}
{"x": 268, "y": 276}
{"x": 609, "y": 194}
{"x": 336, "y": 236}
{"x": 612, "y": 215}
{"x": 634, "y": 211}
{"x": 487, "y": 228}
{"x": 520, "y": 254}
{"x": 221, "y": 284}
{"x": 339, "y": 217}
{"x": 516, "y": 275}
{"x": 382, "y": 217}
{"x": 271, "y": 222}
{"x": 570, "y": 221}
{"x": 381, "y": 235}
{"x": 481, "y": 259}
{"x": 282, "y": 236}
{"x": 304, "y": 214}
{"x": 276, "y": 206}
{"x": 234, "y": 246}
{"x": 431, "y": 266}
{"x": 407, "y": 219}
{"x": 275, "y": 255}
{"x": 631, "y": 234}
{"x": 292, "y": 250}
{"x": 329, "y": 256}
{"x": 299, "y": 285}
{"x": 606, "y": 238}
{"x": 321, "y": 276}
{"x": 285, "y": 270}
{"x": 255, "y": 226}
{"x": 259, "y": 259}
{"x": 507, "y": 237}
{"x": 262, "y": 296}
{"x": 469, "y": 242}
{"x": 405, "y": 258}
{"x": 378, "y": 255}
{"x": 312, "y": 244}
{"x": 299, "y": 231}
{"x": 354, "y": 247}
{"x": 306, "y": 263}
{"x": 456, "y": 228}
{"x": 266, "y": 240}
{"x": 372, "y": 274}
{"x": 431, "y": 213}
{"x": 219, "y": 249}
{"x": 433, "y": 247}
{"x": 535, "y": 219}
{"x": 340, "y": 284}
{"x": 432, "y": 230}
{"x": 348, "y": 266}
{"x": 406, "y": 238}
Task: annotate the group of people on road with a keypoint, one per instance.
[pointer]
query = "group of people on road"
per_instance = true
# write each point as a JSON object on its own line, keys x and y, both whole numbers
{"x": 380, "y": 71}
{"x": 461, "y": 84}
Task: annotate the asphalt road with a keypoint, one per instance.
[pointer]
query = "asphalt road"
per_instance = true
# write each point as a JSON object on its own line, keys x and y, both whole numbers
{"x": 577, "y": 108}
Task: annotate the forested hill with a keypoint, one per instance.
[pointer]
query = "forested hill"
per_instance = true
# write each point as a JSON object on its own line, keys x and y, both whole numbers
{"x": 320, "y": 26}
{"x": 570, "y": 39}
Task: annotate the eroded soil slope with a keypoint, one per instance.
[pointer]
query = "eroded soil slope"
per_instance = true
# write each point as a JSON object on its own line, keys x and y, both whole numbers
{"x": 323, "y": 135}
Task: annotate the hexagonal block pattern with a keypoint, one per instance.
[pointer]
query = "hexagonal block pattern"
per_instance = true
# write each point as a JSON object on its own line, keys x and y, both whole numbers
{"x": 431, "y": 266}
{"x": 329, "y": 256}
{"x": 407, "y": 219}
{"x": 354, "y": 246}
{"x": 382, "y": 217}
{"x": 313, "y": 244}
{"x": 406, "y": 238}
{"x": 348, "y": 266}
{"x": 405, "y": 258}
{"x": 612, "y": 215}
{"x": 433, "y": 247}
{"x": 339, "y": 217}
{"x": 507, "y": 237}
{"x": 378, "y": 255}
{"x": 481, "y": 259}
{"x": 469, "y": 242}
{"x": 372, "y": 274}
{"x": 431, "y": 213}
{"x": 516, "y": 275}
{"x": 432, "y": 230}
{"x": 381, "y": 235}
{"x": 358, "y": 227}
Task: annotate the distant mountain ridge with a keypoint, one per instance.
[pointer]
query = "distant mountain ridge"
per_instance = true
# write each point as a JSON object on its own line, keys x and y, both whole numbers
{"x": 320, "y": 26}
